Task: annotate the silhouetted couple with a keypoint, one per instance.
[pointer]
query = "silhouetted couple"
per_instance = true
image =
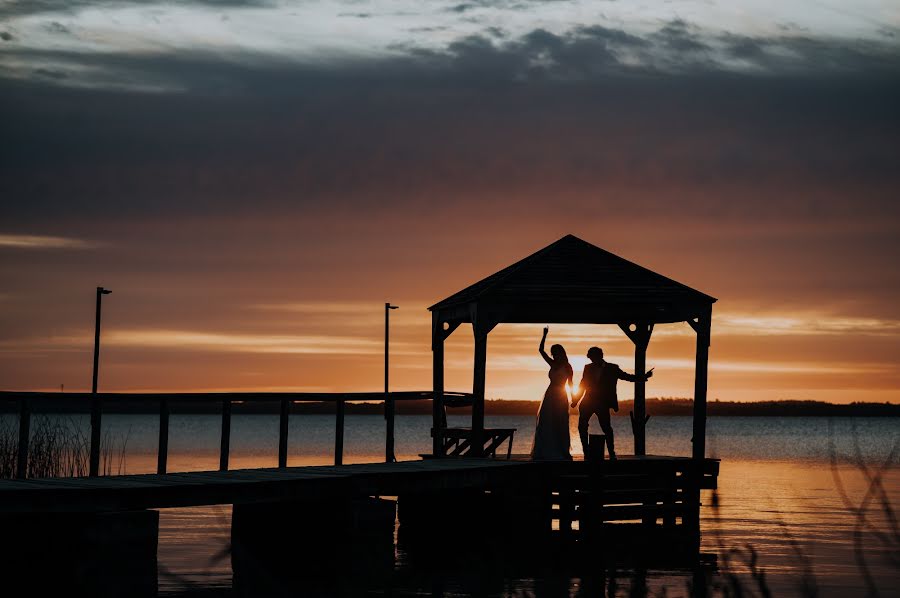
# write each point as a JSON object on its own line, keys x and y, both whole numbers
{"x": 595, "y": 395}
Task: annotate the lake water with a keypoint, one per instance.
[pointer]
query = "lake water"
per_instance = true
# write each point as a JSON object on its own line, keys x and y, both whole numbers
{"x": 778, "y": 493}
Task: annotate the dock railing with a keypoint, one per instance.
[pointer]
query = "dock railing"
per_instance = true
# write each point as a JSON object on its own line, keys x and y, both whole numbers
{"x": 27, "y": 401}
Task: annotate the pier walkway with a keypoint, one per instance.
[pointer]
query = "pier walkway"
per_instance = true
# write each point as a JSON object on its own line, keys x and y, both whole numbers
{"x": 243, "y": 486}
{"x": 635, "y": 478}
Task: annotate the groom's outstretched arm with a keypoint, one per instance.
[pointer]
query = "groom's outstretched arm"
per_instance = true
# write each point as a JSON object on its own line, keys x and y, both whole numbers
{"x": 623, "y": 375}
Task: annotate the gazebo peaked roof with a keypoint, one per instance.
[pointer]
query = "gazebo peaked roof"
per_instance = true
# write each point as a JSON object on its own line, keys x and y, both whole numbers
{"x": 573, "y": 281}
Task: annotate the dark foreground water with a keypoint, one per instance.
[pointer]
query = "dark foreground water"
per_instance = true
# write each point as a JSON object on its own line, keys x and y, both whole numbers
{"x": 779, "y": 493}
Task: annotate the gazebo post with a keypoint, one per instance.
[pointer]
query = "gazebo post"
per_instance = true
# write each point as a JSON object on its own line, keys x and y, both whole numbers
{"x": 437, "y": 403}
{"x": 640, "y": 336}
{"x": 702, "y": 326}
{"x": 640, "y": 393}
{"x": 478, "y": 384}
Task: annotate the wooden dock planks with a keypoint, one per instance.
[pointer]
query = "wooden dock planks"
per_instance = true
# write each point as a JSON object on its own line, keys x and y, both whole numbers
{"x": 241, "y": 486}
{"x": 625, "y": 481}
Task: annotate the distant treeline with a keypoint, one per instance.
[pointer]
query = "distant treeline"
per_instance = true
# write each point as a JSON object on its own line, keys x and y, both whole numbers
{"x": 660, "y": 406}
{"x": 676, "y": 406}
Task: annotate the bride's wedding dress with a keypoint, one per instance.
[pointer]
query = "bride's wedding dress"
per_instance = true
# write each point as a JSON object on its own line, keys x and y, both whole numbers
{"x": 551, "y": 435}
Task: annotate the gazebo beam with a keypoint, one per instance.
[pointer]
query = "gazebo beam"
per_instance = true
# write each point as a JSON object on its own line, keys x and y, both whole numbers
{"x": 554, "y": 311}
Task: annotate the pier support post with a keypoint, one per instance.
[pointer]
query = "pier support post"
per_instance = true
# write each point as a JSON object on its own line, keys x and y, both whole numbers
{"x": 310, "y": 545}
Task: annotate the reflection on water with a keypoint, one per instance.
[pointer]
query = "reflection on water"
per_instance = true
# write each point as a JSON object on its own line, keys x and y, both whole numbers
{"x": 787, "y": 511}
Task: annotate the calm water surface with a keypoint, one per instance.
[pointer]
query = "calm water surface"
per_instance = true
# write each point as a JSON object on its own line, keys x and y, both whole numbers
{"x": 777, "y": 493}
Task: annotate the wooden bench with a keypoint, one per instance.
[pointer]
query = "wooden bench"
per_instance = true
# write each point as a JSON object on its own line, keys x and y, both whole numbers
{"x": 458, "y": 441}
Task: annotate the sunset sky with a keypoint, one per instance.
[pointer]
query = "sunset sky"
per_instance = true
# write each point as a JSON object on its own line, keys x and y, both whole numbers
{"x": 254, "y": 179}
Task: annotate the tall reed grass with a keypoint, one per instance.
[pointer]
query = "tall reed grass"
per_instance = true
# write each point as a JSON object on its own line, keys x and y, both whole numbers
{"x": 58, "y": 448}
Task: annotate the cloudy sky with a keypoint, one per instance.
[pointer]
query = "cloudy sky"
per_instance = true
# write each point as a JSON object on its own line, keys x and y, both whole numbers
{"x": 253, "y": 179}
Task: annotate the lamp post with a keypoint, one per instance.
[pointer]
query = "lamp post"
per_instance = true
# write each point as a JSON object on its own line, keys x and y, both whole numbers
{"x": 388, "y": 401}
{"x": 95, "y": 402}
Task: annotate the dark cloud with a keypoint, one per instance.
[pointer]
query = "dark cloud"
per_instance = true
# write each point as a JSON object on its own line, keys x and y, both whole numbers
{"x": 460, "y": 8}
{"x": 57, "y": 27}
{"x": 677, "y": 47}
{"x": 427, "y": 29}
{"x": 583, "y": 53}
{"x": 6, "y": 36}
{"x": 50, "y": 74}
{"x": 566, "y": 115}
{"x": 16, "y": 8}
{"x": 281, "y": 136}
{"x": 745, "y": 48}
{"x": 678, "y": 36}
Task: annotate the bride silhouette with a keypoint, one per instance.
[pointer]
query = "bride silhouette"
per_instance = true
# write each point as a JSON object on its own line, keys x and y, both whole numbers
{"x": 551, "y": 435}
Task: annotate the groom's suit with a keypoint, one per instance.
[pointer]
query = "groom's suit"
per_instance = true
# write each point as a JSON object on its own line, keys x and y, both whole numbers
{"x": 599, "y": 384}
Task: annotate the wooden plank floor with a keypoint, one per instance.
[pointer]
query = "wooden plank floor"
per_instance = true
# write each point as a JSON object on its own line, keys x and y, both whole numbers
{"x": 129, "y": 492}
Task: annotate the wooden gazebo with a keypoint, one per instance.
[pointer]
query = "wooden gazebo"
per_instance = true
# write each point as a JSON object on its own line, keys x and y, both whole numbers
{"x": 571, "y": 282}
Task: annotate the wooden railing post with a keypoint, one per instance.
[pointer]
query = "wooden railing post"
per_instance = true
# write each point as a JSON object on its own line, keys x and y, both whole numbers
{"x": 283, "y": 433}
{"x": 96, "y": 414}
{"x": 226, "y": 435}
{"x": 162, "y": 454}
{"x": 24, "y": 438}
{"x": 339, "y": 432}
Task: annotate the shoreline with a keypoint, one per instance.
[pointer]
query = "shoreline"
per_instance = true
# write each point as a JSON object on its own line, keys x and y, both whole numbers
{"x": 657, "y": 406}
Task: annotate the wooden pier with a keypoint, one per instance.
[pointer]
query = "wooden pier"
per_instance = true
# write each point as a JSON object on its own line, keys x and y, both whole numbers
{"x": 631, "y": 488}
{"x": 104, "y": 530}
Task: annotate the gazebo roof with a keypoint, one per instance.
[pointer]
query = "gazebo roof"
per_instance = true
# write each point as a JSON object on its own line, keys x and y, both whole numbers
{"x": 573, "y": 281}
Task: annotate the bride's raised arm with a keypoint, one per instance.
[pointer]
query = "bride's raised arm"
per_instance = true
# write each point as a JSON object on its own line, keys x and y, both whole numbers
{"x": 543, "y": 353}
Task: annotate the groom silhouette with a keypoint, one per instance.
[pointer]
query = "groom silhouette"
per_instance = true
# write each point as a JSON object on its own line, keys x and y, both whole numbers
{"x": 598, "y": 396}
